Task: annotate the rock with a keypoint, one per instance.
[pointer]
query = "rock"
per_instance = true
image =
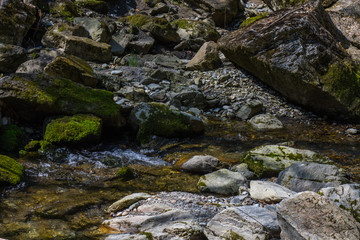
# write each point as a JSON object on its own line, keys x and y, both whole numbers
{"x": 311, "y": 177}
{"x": 37, "y": 64}
{"x": 346, "y": 16}
{"x": 351, "y": 131}
{"x": 73, "y": 68}
{"x": 11, "y": 139}
{"x": 77, "y": 129}
{"x": 222, "y": 181}
{"x": 10, "y": 170}
{"x": 310, "y": 216}
{"x": 158, "y": 119}
{"x": 247, "y": 222}
{"x": 263, "y": 122}
{"x": 98, "y": 30}
{"x": 207, "y": 58}
{"x": 95, "y": 5}
{"x": 119, "y": 42}
{"x": 269, "y": 191}
{"x": 141, "y": 43}
{"x": 283, "y": 4}
{"x": 249, "y": 109}
{"x": 269, "y": 160}
{"x": 64, "y": 8}
{"x": 173, "y": 224}
{"x": 63, "y": 36}
{"x": 345, "y": 196}
{"x": 11, "y": 57}
{"x": 127, "y": 237}
{"x": 195, "y": 29}
{"x": 244, "y": 170}
{"x": 127, "y": 201}
{"x": 159, "y": 9}
{"x": 191, "y": 44}
{"x": 201, "y": 164}
{"x": 288, "y": 51}
{"x": 34, "y": 97}
{"x": 191, "y": 99}
{"x": 16, "y": 18}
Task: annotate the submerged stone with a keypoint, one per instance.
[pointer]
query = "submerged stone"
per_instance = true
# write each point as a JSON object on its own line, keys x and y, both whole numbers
{"x": 10, "y": 170}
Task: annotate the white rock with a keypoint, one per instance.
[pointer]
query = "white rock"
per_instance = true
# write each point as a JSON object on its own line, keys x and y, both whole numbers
{"x": 127, "y": 201}
{"x": 269, "y": 191}
{"x": 263, "y": 122}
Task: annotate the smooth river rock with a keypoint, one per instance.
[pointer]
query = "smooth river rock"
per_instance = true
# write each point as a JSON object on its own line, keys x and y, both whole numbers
{"x": 269, "y": 191}
{"x": 201, "y": 164}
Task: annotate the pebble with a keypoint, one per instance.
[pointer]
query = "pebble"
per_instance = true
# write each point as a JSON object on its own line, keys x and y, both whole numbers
{"x": 351, "y": 131}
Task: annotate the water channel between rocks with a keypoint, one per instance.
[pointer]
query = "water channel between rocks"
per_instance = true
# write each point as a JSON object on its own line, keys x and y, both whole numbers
{"x": 64, "y": 194}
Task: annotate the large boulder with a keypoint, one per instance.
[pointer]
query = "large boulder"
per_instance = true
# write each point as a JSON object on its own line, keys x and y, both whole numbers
{"x": 158, "y": 119}
{"x": 10, "y": 170}
{"x": 247, "y": 222}
{"x": 311, "y": 177}
{"x": 11, "y": 57}
{"x": 67, "y": 37}
{"x": 311, "y": 216}
{"x": 300, "y": 53}
{"x": 269, "y": 160}
{"x": 207, "y": 58}
{"x": 34, "y": 97}
{"x": 16, "y": 18}
{"x": 98, "y": 30}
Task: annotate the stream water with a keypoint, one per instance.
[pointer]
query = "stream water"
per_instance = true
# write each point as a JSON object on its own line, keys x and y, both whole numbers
{"x": 64, "y": 194}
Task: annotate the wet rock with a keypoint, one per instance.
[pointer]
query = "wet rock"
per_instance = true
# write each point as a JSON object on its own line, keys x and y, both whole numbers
{"x": 95, "y": 5}
{"x": 195, "y": 29}
{"x": 11, "y": 57}
{"x": 34, "y": 97}
{"x": 269, "y": 191}
{"x": 345, "y": 196}
{"x": 16, "y": 18}
{"x": 158, "y": 119}
{"x": 243, "y": 168}
{"x": 322, "y": 73}
{"x": 191, "y": 99}
{"x": 311, "y": 177}
{"x": 73, "y": 68}
{"x": 249, "y": 109}
{"x": 263, "y": 122}
{"x": 201, "y": 164}
{"x": 98, "y": 30}
{"x": 173, "y": 224}
{"x": 269, "y": 160}
{"x": 10, "y": 170}
{"x": 207, "y": 58}
{"x": 247, "y": 222}
{"x": 310, "y": 216}
{"x": 77, "y": 129}
{"x": 127, "y": 201}
{"x": 222, "y": 181}
{"x": 64, "y": 36}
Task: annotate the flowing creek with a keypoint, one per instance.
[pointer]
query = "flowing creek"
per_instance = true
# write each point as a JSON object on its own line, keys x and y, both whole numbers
{"x": 64, "y": 194}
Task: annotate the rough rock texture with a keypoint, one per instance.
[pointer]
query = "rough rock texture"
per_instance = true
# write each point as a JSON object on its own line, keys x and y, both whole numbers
{"x": 98, "y": 30}
{"x": 158, "y": 119}
{"x": 243, "y": 168}
{"x": 247, "y": 222}
{"x": 269, "y": 191}
{"x": 264, "y": 122}
{"x": 269, "y": 160}
{"x": 346, "y": 196}
{"x": 73, "y": 68}
{"x": 310, "y": 216}
{"x": 34, "y": 97}
{"x": 281, "y": 4}
{"x": 11, "y": 57}
{"x": 249, "y": 109}
{"x": 37, "y": 65}
{"x": 190, "y": 99}
{"x": 63, "y": 36}
{"x": 16, "y": 19}
{"x": 10, "y": 170}
{"x": 127, "y": 201}
{"x": 201, "y": 164}
{"x": 141, "y": 43}
{"x": 311, "y": 177}
{"x": 222, "y": 181}
{"x": 207, "y": 58}
{"x": 195, "y": 29}
{"x": 301, "y": 54}
{"x": 95, "y": 5}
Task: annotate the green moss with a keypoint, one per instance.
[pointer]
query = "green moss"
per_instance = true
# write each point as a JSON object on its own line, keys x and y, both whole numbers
{"x": 11, "y": 138}
{"x": 234, "y": 236}
{"x": 258, "y": 167}
{"x": 148, "y": 235}
{"x": 66, "y": 9}
{"x": 138, "y": 20}
{"x": 251, "y": 20}
{"x": 200, "y": 29}
{"x": 95, "y": 5}
{"x": 35, "y": 55}
{"x": 10, "y": 170}
{"x": 76, "y": 129}
{"x": 33, "y": 146}
{"x": 125, "y": 173}
{"x": 296, "y": 157}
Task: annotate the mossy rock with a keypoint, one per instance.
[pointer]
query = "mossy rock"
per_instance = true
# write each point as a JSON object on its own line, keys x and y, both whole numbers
{"x": 66, "y": 9}
{"x": 158, "y": 119}
{"x": 11, "y": 138}
{"x": 197, "y": 29}
{"x": 251, "y": 20}
{"x": 79, "y": 128}
{"x": 95, "y": 5}
{"x": 10, "y": 170}
{"x": 125, "y": 173}
{"x": 35, "y": 97}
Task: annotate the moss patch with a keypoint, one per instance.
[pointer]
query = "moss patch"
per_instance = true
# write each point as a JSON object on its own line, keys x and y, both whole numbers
{"x": 125, "y": 173}
{"x": 10, "y": 170}
{"x": 251, "y": 20}
{"x": 11, "y": 138}
{"x": 66, "y": 9}
{"x": 258, "y": 167}
{"x": 80, "y": 128}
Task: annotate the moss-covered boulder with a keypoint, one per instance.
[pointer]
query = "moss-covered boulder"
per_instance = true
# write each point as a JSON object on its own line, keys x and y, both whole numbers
{"x": 73, "y": 68}
{"x": 301, "y": 55}
{"x": 80, "y": 128}
{"x": 158, "y": 119}
{"x": 65, "y": 8}
{"x": 192, "y": 29}
{"x": 11, "y": 57}
{"x": 270, "y": 160}
{"x": 16, "y": 18}
{"x": 10, "y": 170}
{"x": 95, "y": 5}
{"x": 32, "y": 98}
{"x": 159, "y": 28}
{"x": 11, "y": 138}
